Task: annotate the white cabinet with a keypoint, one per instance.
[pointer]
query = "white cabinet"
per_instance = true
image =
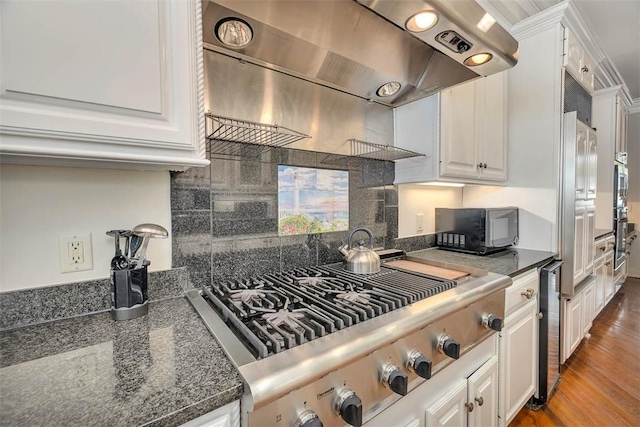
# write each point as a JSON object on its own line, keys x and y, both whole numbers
{"x": 599, "y": 271}
{"x": 589, "y": 231}
{"x": 472, "y": 403}
{"x": 578, "y": 62}
{"x": 578, "y": 315}
{"x": 78, "y": 90}
{"x": 622, "y": 117}
{"x": 450, "y": 410}
{"x": 579, "y": 244}
{"x": 462, "y": 132}
{"x": 573, "y": 324}
{"x": 518, "y": 360}
{"x": 588, "y": 309}
{"x": 225, "y": 416}
{"x": 473, "y": 130}
{"x": 603, "y": 287}
{"x": 586, "y": 158}
{"x": 610, "y": 112}
{"x": 518, "y": 346}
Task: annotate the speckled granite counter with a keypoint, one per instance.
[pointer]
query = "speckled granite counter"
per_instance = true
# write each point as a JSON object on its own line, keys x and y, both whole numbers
{"x": 510, "y": 262}
{"x": 161, "y": 369}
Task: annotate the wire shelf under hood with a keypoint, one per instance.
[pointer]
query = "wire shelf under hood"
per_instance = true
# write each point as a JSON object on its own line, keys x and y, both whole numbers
{"x": 228, "y": 136}
{"x": 374, "y": 151}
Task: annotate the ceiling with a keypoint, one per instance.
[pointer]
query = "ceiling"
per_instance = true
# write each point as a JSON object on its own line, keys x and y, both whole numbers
{"x": 615, "y": 24}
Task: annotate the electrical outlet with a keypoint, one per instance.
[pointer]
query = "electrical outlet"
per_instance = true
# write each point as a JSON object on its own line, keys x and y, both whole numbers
{"x": 419, "y": 223}
{"x": 75, "y": 252}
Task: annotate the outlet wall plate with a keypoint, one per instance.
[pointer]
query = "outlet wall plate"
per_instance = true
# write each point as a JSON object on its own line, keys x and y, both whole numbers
{"x": 76, "y": 252}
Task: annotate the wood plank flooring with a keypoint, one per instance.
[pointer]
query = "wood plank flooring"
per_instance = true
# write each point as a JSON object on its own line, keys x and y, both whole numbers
{"x": 600, "y": 383}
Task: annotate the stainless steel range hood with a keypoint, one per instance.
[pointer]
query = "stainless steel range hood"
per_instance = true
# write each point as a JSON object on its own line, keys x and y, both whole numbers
{"x": 356, "y": 47}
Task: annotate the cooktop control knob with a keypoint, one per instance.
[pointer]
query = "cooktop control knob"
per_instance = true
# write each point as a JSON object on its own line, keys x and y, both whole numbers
{"x": 419, "y": 364}
{"x": 449, "y": 346}
{"x": 308, "y": 419}
{"x": 395, "y": 379}
{"x": 349, "y": 406}
{"x": 492, "y": 322}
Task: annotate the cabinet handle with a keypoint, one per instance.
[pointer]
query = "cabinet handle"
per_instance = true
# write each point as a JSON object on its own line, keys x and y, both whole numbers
{"x": 607, "y": 263}
{"x": 528, "y": 294}
{"x": 469, "y": 406}
{"x": 585, "y": 69}
{"x": 603, "y": 249}
{"x": 480, "y": 400}
{"x": 484, "y": 165}
{"x": 540, "y": 315}
{"x": 480, "y": 165}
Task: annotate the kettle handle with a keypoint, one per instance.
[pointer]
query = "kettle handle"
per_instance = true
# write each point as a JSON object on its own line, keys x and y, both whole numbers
{"x": 355, "y": 230}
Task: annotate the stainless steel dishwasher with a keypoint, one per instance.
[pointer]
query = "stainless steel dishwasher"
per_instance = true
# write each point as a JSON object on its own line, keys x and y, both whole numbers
{"x": 549, "y": 334}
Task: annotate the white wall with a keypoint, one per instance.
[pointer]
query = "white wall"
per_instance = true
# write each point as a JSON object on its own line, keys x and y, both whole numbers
{"x": 37, "y": 204}
{"x": 633, "y": 148}
{"x": 415, "y": 199}
{"x": 535, "y": 130}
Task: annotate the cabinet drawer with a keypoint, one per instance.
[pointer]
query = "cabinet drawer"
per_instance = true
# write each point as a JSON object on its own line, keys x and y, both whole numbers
{"x": 599, "y": 248}
{"x": 524, "y": 289}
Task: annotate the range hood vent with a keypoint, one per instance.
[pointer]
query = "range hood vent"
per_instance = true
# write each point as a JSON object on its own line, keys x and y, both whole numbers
{"x": 359, "y": 47}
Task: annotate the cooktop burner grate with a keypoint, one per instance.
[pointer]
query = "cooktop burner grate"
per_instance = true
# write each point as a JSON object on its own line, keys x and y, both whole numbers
{"x": 275, "y": 312}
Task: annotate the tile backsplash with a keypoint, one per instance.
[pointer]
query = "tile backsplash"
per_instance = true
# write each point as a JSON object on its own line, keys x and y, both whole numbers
{"x": 225, "y": 216}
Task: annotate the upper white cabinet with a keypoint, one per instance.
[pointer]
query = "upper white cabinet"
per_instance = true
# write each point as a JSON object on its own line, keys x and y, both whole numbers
{"x": 462, "y": 131}
{"x": 578, "y": 62}
{"x": 610, "y": 112}
{"x": 107, "y": 83}
{"x": 586, "y": 159}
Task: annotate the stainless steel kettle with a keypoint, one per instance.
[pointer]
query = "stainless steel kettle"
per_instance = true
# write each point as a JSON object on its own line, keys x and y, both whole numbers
{"x": 361, "y": 259}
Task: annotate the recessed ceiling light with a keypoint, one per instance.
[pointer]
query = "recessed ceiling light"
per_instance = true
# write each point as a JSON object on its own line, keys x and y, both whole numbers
{"x": 478, "y": 59}
{"x": 388, "y": 89}
{"x": 421, "y": 21}
{"x": 233, "y": 32}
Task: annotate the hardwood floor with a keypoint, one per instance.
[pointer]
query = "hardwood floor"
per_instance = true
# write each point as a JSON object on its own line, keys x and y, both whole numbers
{"x": 600, "y": 383}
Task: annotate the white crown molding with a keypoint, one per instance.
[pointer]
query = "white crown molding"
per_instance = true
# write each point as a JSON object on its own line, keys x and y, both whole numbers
{"x": 608, "y": 91}
{"x": 635, "y": 107}
{"x": 540, "y": 21}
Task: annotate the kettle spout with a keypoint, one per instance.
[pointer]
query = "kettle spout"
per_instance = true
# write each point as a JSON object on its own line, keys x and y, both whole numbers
{"x": 343, "y": 249}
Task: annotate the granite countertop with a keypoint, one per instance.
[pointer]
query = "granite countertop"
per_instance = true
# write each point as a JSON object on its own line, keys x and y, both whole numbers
{"x": 161, "y": 369}
{"x": 510, "y": 262}
{"x": 601, "y": 232}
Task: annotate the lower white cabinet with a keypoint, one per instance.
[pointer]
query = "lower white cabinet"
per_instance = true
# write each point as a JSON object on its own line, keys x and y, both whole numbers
{"x": 610, "y": 285}
{"x": 579, "y": 312}
{"x": 518, "y": 360}
{"x": 225, "y": 416}
{"x": 472, "y": 402}
{"x": 600, "y": 272}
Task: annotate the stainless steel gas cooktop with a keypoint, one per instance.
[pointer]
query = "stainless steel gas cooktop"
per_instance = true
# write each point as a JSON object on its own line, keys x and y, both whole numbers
{"x": 310, "y": 342}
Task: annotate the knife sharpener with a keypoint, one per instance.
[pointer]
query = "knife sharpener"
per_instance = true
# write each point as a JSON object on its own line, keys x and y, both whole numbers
{"x": 129, "y": 298}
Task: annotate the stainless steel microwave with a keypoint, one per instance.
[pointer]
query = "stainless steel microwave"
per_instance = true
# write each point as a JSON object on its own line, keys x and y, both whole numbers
{"x": 476, "y": 230}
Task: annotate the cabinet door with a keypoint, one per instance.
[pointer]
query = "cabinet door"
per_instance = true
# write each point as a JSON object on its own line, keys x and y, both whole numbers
{"x": 519, "y": 348}
{"x": 450, "y": 410}
{"x": 573, "y": 324}
{"x": 74, "y": 86}
{"x": 483, "y": 393}
{"x": 619, "y": 124}
{"x": 592, "y": 165}
{"x": 458, "y": 132}
{"x": 579, "y": 244}
{"x": 573, "y": 55}
{"x": 492, "y": 113}
{"x": 590, "y": 227}
{"x": 610, "y": 287}
{"x": 599, "y": 286}
{"x": 587, "y": 308}
{"x": 588, "y": 72}
{"x": 582, "y": 133}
